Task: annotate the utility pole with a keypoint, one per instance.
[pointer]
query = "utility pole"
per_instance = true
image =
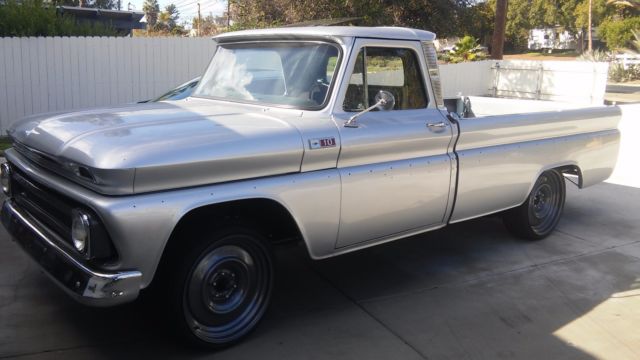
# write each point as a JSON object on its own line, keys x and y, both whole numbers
{"x": 228, "y": 14}
{"x": 590, "y": 39}
{"x": 199, "y": 20}
{"x": 119, "y": 5}
{"x": 497, "y": 42}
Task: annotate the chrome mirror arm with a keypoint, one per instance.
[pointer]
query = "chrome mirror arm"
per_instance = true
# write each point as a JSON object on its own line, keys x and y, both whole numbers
{"x": 351, "y": 123}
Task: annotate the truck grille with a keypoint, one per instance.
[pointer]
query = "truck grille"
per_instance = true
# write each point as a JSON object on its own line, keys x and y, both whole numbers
{"x": 46, "y": 205}
{"x": 53, "y": 210}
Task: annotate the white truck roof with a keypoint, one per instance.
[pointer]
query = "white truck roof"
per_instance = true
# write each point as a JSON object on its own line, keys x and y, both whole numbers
{"x": 333, "y": 31}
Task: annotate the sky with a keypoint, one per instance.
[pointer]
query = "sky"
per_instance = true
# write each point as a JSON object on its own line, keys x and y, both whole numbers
{"x": 187, "y": 8}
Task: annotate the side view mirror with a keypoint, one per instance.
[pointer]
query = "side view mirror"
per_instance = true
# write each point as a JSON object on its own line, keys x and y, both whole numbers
{"x": 384, "y": 101}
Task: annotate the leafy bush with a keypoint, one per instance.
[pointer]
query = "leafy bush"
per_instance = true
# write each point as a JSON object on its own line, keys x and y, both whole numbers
{"x": 33, "y": 18}
{"x": 595, "y": 56}
{"x": 618, "y": 73}
{"x": 467, "y": 49}
{"x": 618, "y": 33}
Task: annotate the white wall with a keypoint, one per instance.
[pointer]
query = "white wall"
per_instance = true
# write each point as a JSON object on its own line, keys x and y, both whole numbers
{"x": 627, "y": 171}
{"x": 63, "y": 73}
{"x": 468, "y": 79}
{"x": 578, "y": 82}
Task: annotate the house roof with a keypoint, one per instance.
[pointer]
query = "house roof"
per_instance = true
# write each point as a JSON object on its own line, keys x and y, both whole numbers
{"x": 120, "y": 20}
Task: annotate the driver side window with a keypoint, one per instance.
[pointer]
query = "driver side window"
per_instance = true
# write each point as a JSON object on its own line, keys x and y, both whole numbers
{"x": 396, "y": 70}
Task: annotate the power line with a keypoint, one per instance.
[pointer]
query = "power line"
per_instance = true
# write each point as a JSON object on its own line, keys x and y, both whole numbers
{"x": 185, "y": 5}
{"x": 180, "y": 2}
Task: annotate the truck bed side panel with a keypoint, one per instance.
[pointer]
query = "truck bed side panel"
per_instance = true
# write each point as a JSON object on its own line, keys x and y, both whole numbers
{"x": 500, "y": 157}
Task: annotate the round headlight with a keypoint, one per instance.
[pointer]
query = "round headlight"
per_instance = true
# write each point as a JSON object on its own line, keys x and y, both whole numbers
{"x": 80, "y": 230}
{"x": 5, "y": 178}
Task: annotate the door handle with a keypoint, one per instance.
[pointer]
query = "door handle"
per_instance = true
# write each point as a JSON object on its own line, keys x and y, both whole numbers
{"x": 437, "y": 126}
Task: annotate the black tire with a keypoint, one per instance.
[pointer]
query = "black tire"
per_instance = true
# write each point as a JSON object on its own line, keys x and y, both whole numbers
{"x": 221, "y": 287}
{"x": 539, "y": 215}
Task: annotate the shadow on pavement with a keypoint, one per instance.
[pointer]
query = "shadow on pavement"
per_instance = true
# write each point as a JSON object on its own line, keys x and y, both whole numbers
{"x": 467, "y": 291}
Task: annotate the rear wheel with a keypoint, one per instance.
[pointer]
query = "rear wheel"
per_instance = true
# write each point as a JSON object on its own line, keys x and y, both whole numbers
{"x": 537, "y": 217}
{"x": 222, "y": 287}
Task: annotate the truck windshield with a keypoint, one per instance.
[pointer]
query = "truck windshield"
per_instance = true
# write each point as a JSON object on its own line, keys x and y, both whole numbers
{"x": 292, "y": 74}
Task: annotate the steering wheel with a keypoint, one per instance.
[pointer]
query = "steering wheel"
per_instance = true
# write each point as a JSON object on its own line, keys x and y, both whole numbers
{"x": 318, "y": 91}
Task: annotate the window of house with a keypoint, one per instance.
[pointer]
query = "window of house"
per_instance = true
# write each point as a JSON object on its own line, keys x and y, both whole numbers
{"x": 395, "y": 70}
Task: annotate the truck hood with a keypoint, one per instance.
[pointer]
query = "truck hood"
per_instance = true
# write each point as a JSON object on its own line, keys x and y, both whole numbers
{"x": 165, "y": 144}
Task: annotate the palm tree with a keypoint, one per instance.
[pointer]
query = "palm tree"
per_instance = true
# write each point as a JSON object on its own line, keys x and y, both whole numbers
{"x": 151, "y": 8}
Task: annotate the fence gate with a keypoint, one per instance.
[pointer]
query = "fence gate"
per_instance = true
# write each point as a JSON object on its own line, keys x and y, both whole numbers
{"x": 569, "y": 81}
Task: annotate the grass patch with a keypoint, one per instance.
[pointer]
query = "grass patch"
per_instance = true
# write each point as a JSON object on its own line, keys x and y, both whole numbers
{"x": 568, "y": 54}
{"x": 5, "y": 143}
{"x": 540, "y": 56}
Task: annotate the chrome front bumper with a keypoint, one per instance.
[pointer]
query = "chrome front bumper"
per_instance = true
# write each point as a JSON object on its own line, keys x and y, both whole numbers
{"x": 85, "y": 285}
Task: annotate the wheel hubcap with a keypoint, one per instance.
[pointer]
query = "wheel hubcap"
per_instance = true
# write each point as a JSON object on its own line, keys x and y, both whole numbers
{"x": 545, "y": 204}
{"x": 542, "y": 201}
{"x": 223, "y": 291}
{"x": 227, "y": 291}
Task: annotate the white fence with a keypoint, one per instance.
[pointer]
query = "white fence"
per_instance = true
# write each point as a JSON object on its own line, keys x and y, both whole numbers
{"x": 627, "y": 59}
{"x": 52, "y": 74}
{"x": 62, "y": 73}
{"x": 579, "y": 82}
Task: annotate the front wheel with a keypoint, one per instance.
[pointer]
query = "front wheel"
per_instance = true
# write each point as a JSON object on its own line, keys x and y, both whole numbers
{"x": 538, "y": 216}
{"x": 222, "y": 287}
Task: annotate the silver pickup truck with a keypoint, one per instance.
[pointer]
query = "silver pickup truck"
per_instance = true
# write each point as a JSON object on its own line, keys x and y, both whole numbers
{"x": 337, "y": 137}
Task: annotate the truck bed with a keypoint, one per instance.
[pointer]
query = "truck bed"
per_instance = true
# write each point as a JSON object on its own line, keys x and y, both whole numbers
{"x": 482, "y": 106}
{"x": 505, "y": 144}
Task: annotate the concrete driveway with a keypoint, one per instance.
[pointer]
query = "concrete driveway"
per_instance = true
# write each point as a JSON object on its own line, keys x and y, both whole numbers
{"x": 469, "y": 291}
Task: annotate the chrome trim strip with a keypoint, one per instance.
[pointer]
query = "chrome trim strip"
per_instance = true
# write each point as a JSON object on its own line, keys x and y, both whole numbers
{"x": 431, "y": 58}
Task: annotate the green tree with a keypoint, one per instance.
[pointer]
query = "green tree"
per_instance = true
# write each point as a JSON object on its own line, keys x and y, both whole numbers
{"x": 572, "y": 15}
{"x": 151, "y": 11}
{"x": 34, "y": 18}
{"x": 477, "y": 20}
{"x": 173, "y": 15}
{"x": 618, "y": 33}
{"x": 441, "y": 16}
{"x": 207, "y": 26}
{"x": 167, "y": 22}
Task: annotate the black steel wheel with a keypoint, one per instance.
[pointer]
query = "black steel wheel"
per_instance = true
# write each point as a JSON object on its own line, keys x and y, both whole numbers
{"x": 537, "y": 217}
{"x": 223, "y": 287}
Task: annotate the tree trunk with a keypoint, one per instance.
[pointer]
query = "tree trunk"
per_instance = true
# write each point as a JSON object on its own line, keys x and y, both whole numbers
{"x": 497, "y": 43}
{"x": 590, "y": 38}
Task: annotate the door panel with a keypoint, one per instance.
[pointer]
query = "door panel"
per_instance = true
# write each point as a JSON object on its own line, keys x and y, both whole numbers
{"x": 395, "y": 170}
{"x": 395, "y": 176}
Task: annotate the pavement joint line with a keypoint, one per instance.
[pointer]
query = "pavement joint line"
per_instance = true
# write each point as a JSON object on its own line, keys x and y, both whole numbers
{"x": 65, "y": 349}
{"x": 363, "y": 309}
{"x": 532, "y": 267}
{"x": 576, "y": 236}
